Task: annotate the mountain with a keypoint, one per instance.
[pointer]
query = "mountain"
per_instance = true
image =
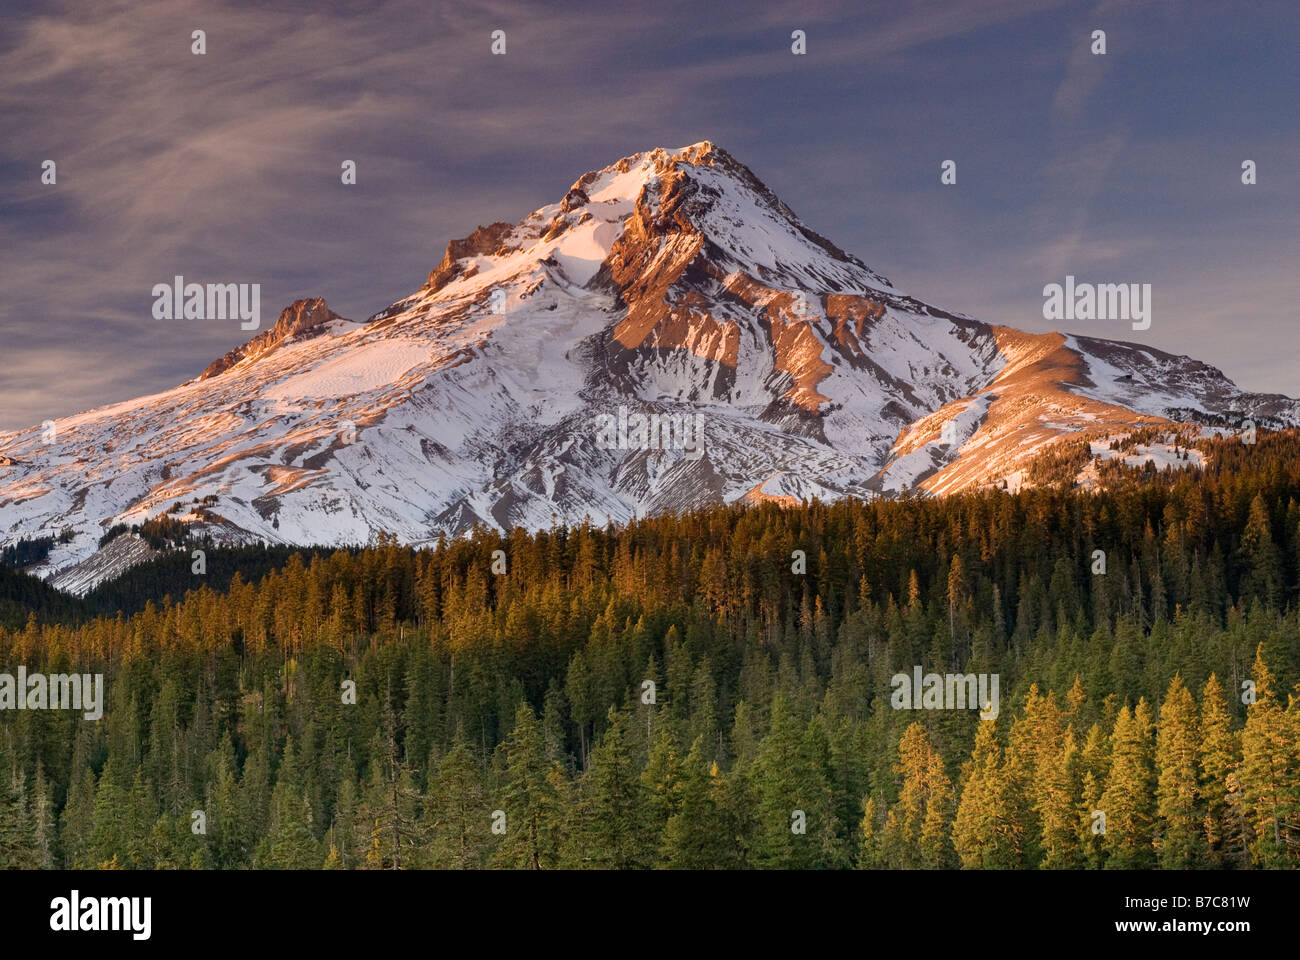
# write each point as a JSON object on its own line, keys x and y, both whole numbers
{"x": 509, "y": 390}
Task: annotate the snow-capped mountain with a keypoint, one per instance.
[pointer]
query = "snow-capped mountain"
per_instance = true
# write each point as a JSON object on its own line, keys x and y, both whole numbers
{"x": 665, "y": 336}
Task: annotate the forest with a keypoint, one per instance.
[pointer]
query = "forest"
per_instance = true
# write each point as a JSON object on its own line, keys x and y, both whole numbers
{"x": 709, "y": 690}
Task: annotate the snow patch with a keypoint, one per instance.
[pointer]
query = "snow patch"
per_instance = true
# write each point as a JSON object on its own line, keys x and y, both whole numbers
{"x": 366, "y": 367}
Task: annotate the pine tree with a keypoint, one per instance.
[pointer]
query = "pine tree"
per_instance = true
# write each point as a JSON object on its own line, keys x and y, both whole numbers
{"x": 616, "y": 814}
{"x": 917, "y": 826}
{"x": 1032, "y": 734}
{"x": 392, "y": 798}
{"x": 456, "y": 812}
{"x": 870, "y": 854}
{"x": 290, "y": 844}
{"x": 138, "y": 823}
{"x": 344, "y": 846}
{"x": 1219, "y": 759}
{"x": 108, "y": 840}
{"x": 794, "y": 805}
{"x": 77, "y": 821}
{"x": 529, "y": 798}
{"x": 42, "y": 812}
{"x": 232, "y": 838}
{"x": 695, "y": 836}
{"x": 704, "y": 701}
{"x": 1261, "y": 556}
{"x": 1128, "y": 800}
{"x": 936, "y": 841}
{"x": 985, "y": 834}
{"x": 19, "y": 845}
{"x": 580, "y": 692}
{"x": 1055, "y": 789}
{"x": 662, "y": 779}
{"x": 1179, "y": 840}
{"x": 1269, "y": 772}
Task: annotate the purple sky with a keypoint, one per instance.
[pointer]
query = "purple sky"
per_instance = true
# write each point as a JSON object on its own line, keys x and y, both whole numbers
{"x": 224, "y": 168}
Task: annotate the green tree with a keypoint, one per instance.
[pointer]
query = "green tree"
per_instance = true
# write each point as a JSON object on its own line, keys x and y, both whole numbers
{"x": 290, "y": 844}
{"x": 530, "y": 801}
{"x": 19, "y": 844}
{"x": 616, "y": 819}
{"x": 456, "y": 811}
{"x": 1128, "y": 800}
{"x": 985, "y": 833}
{"x": 917, "y": 827}
{"x": 1260, "y": 554}
{"x": 695, "y": 836}
{"x": 1179, "y": 839}
{"x": 794, "y": 806}
{"x": 1218, "y": 761}
{"x": 1269, "y": 773}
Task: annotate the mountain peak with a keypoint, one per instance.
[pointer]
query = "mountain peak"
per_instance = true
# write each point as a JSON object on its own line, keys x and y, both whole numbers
{"x": 683, "y": 206}
{"x": 302, "y": 318}
{"x": 617, "y": 187}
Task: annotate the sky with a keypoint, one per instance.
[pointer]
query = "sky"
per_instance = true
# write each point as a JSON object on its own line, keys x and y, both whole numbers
{"x": 225, "y": 167}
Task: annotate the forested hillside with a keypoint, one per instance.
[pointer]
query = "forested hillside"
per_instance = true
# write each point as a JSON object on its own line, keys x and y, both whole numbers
{"x": 692, "y": 691}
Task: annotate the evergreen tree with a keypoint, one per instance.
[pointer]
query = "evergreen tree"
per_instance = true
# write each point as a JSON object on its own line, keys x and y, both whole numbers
{"x": 529, "y": 798}
{"x": 616, "y": 810}
{"x": 985, "y": 833}
{"x": 1055, "y": 788}
{"x": 290, "y": 845}
{"x": 1270, "y": 770}
{"x": 1179, "y": 836}
{"x": 1260, "y": 555}
{"x": 456, "y": 812}
{"x": 695, "y": 836}
{"x": 19, "y": 844}
{"x": 1128, "y": 800}
{"x": 870, "y": 853}
{"x": 108, "y": 840}
{"x": 794, "y": 808}
{"x": 1218, "y": 760}
{"x": 916, "y": 827}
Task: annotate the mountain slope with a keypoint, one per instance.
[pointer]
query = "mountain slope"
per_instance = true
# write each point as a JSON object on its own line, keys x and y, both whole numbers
{"x": 671, "y": 283}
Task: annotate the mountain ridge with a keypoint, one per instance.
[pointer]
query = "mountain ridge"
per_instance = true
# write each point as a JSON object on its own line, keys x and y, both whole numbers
{"x": 669, "y": 283}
